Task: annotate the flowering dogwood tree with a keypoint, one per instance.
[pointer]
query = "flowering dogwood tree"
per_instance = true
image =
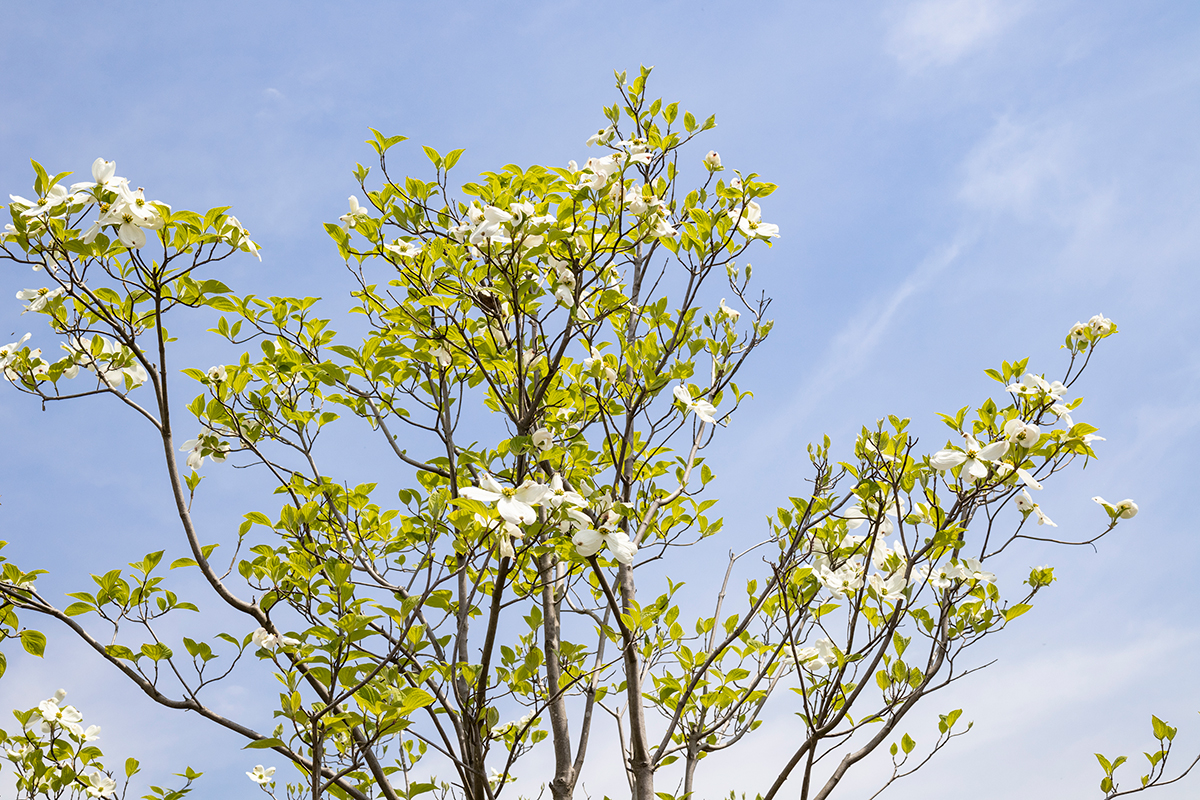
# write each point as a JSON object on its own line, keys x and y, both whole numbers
{"x": 504, "y": 585}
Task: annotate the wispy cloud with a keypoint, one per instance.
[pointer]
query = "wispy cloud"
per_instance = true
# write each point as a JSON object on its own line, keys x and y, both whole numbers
{"x": 854, "y": 345}
{"x": 934, "y": 33}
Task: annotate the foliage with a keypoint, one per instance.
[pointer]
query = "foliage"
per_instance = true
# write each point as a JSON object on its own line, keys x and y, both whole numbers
{"x": 539, "y": 362}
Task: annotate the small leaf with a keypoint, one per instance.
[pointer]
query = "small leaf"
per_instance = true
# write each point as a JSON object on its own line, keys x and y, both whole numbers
{"x": 34, "y": 642}
{"x": 263, "y": 744}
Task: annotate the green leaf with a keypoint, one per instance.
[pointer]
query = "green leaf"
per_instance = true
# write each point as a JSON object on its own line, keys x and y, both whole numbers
{"x": 264, "y": 744}
{"x": 1015, "y": 611}
{"x": 34, "y": 642}
{"x": 413, "y": 699}
{"x": 907, "y": 744}
{"x": 1161, "y": 729}
{"x": 131, "y": 767}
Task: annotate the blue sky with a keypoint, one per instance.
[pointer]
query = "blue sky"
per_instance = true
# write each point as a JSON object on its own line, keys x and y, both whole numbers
{"x": 960, "y": 181}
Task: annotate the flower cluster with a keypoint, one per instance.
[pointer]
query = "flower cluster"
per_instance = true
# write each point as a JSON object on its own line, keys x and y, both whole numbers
{"x": 207, "y": 444}
{"x": 112, "y": 363}
{"x": 517, "y": 508}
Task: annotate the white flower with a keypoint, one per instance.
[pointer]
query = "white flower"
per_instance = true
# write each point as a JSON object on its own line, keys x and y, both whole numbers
{"x": 92, "y": 733}
{"x": 973, "y": 570}
{"x": 1062, "y": 412}
{"x": 819, "y": 657}
{"x": 664, "y": 228}
{"x": 66, "y": 716}
{"x": 205, "y": 445}
{"x": 1031, "y": 384}
{"x": 1126, "y": 509}
{"x": 945, "y": 576}
{"x": 133, "y": 215}
{"x": 442, "y": 354}
{"x": 602, "y": 169}
{"x": 975, "y": 459}
{"x": 271, "y": 642}
{"x": 1100, "y": 325}
{"x": 703, "y": 409}
{"x": 100, "y": 785}
{"x": 1042, "y": 518}
{"x": 749, "y": 222}
{"x": 712, "y": 161}
{"x": 514, "y": 505}
{"x": 403, "y": 249}
{"x": 558, "y": 496}
{"x": 588, "y": 540}
{"x": 1079, "y": 332}
{"x": 57, "y": 196}
{"x": 350, "y": 218}
{"x": 889, "y": 589}
{"x": 8, "y": 352}
{"x": 261, "y": 776}
{"x": 38, "y": 298}
{"x": 1023, "y": 502}
{"x": 636, "y": 202}
{"x": 1022, "y": 434}
{"x": 103, "y": 177}
{"x": 1028, "y": 479}
{"x": 542, "y": 439}
{"x": 602, "y": 136}
{"x": 732, "y": 314}
{"x": 218, "y": 374}
{"x": 847, "y": 578}
{"x": 505, "y": 537}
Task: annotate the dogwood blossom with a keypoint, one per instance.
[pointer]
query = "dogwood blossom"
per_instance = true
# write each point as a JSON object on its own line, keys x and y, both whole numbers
{"x": 1021, "y": 433}
{"x": 846, "y": 579}
{"x": 100, "y": 785}
{"x": 558, "y": 495}
{"x": 114, "y": 364}
{"x": 1100, "y": 325}
{"x": 973, "y": 570}
{"x": 103, "y": 177}
{"x": 8, "y": 353}
{"x": 636, "y": 201}
{"x": 602, "y": 136}
{"x": 66, "y": 716}
{"x": 442, "y": 354}
{"x": 732, "y": 314}
{"x": 261, "y": 776}
{"x": 889, "y": 589}
{"x": 703, "y": 409}
{"x": 1025, "y": 505}
{"x": 819, "y": 657}
{"x": 38, "y": 298}
{"x": 1028, "y": 479}
{"x": 350, "y": 218}
{"x": 1126, "y": 509}
{"x": 205, "y": 445}
{"x": 270, "y": 641}
{"x": 514, "y": 505}
{"x": 713, "y": 161}
{"x": 218, "y": 374}
{"x": 56, "y": 196}
{"x": 975, "y": 459}
{"x": 589, "y": 541}
{"x": 403, "y": 249}
{"x": 749, "y": 222}
{"x": 1079, "y": 332}
{"x": 542, "y": 439}
{"x": 1031, "y": 384}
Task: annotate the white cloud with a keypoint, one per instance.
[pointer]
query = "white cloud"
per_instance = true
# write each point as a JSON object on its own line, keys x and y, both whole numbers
{"x": 1031, "y": 171}
{"x": 940, "y": 32}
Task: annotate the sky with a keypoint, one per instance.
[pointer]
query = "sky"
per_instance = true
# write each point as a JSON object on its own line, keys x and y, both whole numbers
{"x": 959, "y": 182}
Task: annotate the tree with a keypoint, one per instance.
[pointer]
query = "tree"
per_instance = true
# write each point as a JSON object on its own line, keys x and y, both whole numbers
{"x": 503, "y": 583}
